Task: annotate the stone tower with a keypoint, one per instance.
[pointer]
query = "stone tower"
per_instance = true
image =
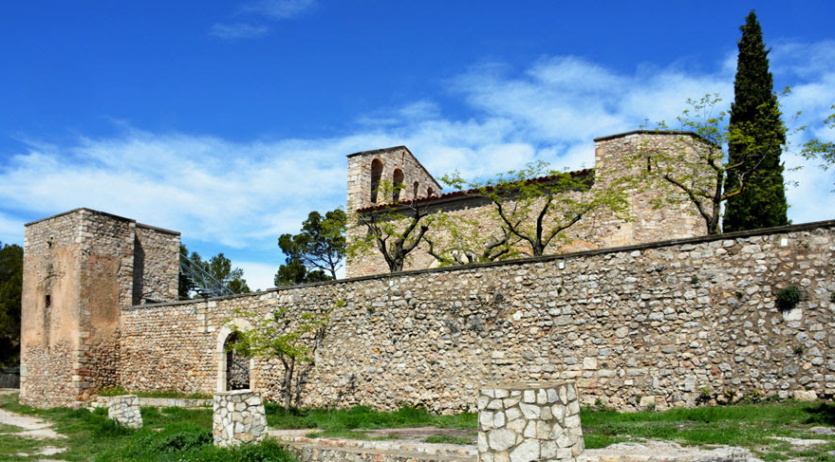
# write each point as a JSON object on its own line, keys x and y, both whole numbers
{"x": 652, "y": 220}
{"x": 80, "y": 268}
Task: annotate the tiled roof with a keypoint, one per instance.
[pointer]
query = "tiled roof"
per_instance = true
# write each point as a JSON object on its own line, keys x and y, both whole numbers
{"x": 464, "y": 193}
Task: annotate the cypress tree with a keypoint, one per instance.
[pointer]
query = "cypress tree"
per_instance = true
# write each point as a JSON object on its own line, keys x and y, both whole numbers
{"x": 757, "y": 136}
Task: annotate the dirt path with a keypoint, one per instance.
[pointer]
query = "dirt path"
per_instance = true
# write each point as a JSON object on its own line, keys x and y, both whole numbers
{"x": 32, "y": 427}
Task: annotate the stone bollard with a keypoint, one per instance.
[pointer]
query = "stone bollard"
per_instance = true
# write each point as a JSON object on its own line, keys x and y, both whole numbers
{"x": 124, "y": 410}
{"x": 527, "y": 422}
{"x": 239, "y": 417}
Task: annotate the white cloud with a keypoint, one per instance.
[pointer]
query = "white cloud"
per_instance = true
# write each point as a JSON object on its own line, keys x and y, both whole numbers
{"x": 11, "y": 229}
{"x": 238, "y": 30}
{"x": 280, "y": 9}
{"x": 244, "y": 194}
{"x": 257, "y": 275}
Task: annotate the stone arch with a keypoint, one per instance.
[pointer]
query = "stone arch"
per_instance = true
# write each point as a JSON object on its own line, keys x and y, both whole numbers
{"x": 430, "y": 192}
{"x": 376, "y": 174}
{"x": 415, "y": 190}
{"x": 397, "y": 184}
{"x": 221, "y": 356}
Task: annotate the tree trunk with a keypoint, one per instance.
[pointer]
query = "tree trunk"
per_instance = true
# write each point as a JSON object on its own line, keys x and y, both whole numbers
{"x": 288, "y": 384}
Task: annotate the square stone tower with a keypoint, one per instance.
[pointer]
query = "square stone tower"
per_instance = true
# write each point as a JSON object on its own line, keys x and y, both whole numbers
{"x": 79, "y": 269}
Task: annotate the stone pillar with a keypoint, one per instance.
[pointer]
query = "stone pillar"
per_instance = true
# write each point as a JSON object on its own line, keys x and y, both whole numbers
{"x": 239, "y": 417}
{"x": 124, "y": 410}
{"x": 526, "y": 422}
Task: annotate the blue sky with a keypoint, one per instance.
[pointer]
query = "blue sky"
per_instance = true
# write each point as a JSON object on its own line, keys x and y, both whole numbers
{"x": 230, "y": 121}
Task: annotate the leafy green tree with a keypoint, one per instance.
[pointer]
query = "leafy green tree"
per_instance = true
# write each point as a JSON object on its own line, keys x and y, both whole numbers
{"x": 537, "y": 205}
{"x": 822, "y": 150}
{"x": 11, "y": 286}
{"x": 695, "y": 170}
{"x": 758, "y": 141}
{"x": 219, "y": 267}
{"x": 316, "y": 253}
{"x": 462, "y": 241}
{"x": 292, "y": 340}
{"x": 392, "y": 229}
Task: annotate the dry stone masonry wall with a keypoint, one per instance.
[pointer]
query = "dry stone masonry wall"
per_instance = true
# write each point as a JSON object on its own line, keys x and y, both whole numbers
{"x": 124, "y": 410}
{"x": 636, "y": 327}
{"x": 529, "y": 422}
{"x": 239, "y": 417}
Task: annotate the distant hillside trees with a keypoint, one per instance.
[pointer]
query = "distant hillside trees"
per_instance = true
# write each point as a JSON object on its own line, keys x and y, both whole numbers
{"x": 11, "y": 285}
{"x": 219, "y": 267}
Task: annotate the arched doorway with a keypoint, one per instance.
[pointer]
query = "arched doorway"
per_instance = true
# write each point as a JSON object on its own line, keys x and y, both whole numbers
{"x": 234, "y": 371}
{"x": 237, "y": 365}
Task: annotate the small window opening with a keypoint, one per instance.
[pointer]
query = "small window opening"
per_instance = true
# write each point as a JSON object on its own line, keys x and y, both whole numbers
{"x": 397, "y": 184}
{"x": 430, "y": 192}
{"x": 649, "y": 163}
{"x": 415, "y": 190}
{"x": 48, "y": 301}
{"x": 376, "y": 174}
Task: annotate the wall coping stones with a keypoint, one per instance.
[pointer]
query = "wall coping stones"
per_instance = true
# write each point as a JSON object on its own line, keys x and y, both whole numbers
{"x": 124, "y": 410}
{"x": 101, "y": 401}
{"x": 521, "y": 261}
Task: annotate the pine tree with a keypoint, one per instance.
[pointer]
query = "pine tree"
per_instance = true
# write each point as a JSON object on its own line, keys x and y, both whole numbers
{"x": 757, "y": 136}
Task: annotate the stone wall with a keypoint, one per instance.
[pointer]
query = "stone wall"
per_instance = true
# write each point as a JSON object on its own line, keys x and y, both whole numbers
{"x": 638, "y": 326}
{"x": 616, "y": 157}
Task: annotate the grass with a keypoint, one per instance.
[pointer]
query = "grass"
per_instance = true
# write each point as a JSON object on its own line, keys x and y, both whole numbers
{"x": 749, "y": 426}
{"x": 118, "y": 390}
{"x": 170, "y": 434}
{"x": 179, "y": 434}
{"x": 447, "y": 439}
{"x": 346, "y": 422}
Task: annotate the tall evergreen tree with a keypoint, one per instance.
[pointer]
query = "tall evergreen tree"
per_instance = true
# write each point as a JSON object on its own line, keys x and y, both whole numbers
{"x": 756, "y": 139}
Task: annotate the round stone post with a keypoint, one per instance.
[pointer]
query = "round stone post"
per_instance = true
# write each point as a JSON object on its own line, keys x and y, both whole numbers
{"x": 124, "y": 410}
{"x": 526, "y": 422}
{"x": 239, "y": 417}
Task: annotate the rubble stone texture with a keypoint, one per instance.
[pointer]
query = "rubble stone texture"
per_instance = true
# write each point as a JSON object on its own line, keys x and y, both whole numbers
{"x": 239, "y": 417}
{"x": 529, "y": 422}
{"x": 615, "y": 158}
{"x": 636, "y": 327}
{"x": 124, "y": 410}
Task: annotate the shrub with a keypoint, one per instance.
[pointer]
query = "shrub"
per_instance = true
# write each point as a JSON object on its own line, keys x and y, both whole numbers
{"x": 788, "y": 298}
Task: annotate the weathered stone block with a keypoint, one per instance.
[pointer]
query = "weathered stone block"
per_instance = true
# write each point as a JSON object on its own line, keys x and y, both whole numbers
{"x": 124, "y": 410}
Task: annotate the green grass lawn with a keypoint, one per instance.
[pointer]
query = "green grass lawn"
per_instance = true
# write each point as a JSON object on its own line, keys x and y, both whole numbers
{"x": 345, "y": 422}
{"x": 174, "y": 434}
{"x": 749, "y": 426}
{"x": 170, "y": 434}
